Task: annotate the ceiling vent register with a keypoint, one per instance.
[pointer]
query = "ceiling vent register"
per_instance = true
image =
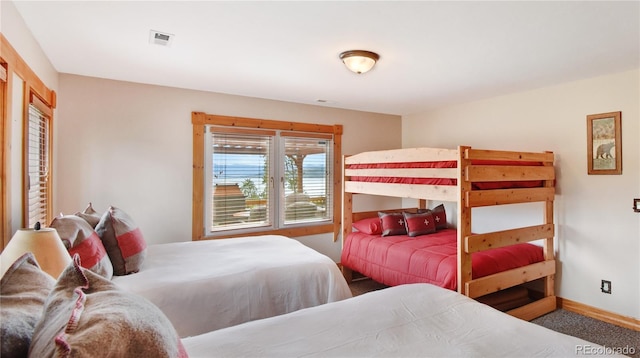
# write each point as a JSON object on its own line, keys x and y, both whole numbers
{"x": 160, "y": 38}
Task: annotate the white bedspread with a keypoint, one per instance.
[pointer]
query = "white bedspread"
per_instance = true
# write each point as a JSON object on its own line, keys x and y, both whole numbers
{"x": 207, "y": 285}
{"x": 418, "y": 320}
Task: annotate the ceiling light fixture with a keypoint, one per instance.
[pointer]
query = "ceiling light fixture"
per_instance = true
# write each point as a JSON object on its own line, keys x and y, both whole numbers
{"x": 359, "y": 61}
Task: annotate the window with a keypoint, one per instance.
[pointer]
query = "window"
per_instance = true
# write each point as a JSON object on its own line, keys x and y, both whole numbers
{"x": 257, "y": 176}
{"x": 38, "y": 188}
{"x": 20, "y": 89}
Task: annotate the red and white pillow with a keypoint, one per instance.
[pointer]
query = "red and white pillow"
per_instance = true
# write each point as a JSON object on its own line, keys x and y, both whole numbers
{"x": 80, "y": 238}
{"x": 439, "y": 215}
{"x": 420, "y": 223}
{"x": 392, "y": 224}
{"x": 123, "y": 241}
{"x": 425, "y": 221}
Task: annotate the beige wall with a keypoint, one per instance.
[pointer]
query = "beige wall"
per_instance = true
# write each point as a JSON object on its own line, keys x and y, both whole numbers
{"x": 130, "y": 145}
{"x": 597, "y": 233}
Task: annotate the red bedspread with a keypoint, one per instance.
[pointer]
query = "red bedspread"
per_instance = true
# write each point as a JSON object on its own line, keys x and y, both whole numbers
{"x": 396, "y": 260}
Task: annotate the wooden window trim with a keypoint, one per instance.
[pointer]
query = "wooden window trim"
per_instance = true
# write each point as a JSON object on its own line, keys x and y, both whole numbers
{"x": 16, "y": 66}
{"x": 200, "y": 120}
{"x": 5, "y": 132}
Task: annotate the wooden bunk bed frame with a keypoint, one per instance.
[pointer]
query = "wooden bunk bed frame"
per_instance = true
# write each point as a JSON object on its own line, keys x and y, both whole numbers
{"x": 467, "y": 197}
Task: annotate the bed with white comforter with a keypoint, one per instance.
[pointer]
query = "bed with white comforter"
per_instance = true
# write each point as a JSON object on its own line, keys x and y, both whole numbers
{"x": 416, "y": 320}
{"x": 202, "y": 286}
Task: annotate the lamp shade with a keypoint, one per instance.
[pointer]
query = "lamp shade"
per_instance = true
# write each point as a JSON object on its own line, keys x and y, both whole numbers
{"x": 359, "y": 61}
{"x": 46, "y": 246}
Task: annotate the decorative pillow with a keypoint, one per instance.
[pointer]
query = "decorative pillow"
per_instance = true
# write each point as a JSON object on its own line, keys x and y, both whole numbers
{"x": 80, "y": 238}
{"x": 392, "y": 224}
{"x": 123, "y": 240}
{"x": 91, "y": 216}
{"x": 23, "y": 291}
{"x": 369, "y": 226}
{"x": 439, "y": 215}
{"x": 420, "y": 223}
{"x": 87, "y": 315}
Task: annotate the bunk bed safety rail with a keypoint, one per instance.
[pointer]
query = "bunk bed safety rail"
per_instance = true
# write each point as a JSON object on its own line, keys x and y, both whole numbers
{"x": 404, "y": 175}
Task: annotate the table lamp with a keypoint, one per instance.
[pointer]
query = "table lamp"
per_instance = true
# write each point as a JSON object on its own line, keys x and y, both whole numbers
{"x": 46, "y": 246}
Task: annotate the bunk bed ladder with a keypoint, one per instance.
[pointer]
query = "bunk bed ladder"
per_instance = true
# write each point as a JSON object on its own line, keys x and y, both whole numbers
{"x": 469, "y": 243}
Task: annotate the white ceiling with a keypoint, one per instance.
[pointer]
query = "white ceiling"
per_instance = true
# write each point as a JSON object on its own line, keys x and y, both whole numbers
{"x": 432, "y": 52}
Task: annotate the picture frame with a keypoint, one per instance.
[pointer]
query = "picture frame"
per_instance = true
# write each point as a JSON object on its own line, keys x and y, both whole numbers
{"x": 604, "y": 143}
{"x": 636, "y": 205}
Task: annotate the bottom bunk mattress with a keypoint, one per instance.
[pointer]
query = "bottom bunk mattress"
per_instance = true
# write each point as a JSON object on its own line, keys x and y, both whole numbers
{"x": 202, "y": 286}
{"x": 432, "y": 258}
{"x": 418, "y": 320}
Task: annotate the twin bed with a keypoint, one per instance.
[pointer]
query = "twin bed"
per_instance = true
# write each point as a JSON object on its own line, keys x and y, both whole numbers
{"x": 471, "y": 178}
{"x": 415, "y": 320}
{"x": 206, "y": 285}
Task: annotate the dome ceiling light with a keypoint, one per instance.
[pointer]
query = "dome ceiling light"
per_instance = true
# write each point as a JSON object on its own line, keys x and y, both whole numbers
{"x": 359, "y": 61}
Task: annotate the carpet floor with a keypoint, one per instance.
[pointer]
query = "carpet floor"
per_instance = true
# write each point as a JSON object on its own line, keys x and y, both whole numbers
{"x": 573, "y": 324}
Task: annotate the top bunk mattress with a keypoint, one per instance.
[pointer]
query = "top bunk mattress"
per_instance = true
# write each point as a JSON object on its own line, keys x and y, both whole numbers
{"x": 432, "y": 258}
{"x": 448, "y": 164}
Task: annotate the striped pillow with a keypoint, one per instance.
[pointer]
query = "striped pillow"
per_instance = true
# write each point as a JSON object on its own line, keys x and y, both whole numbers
{"x": 80, "y": 238}
{"x": 123, "y": 241}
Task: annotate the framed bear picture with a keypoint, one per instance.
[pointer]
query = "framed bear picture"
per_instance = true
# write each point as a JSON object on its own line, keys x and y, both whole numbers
{"x": 604, "y": 143}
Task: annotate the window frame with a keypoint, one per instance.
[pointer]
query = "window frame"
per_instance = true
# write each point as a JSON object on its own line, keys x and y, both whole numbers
{"x": 200, "y": 120}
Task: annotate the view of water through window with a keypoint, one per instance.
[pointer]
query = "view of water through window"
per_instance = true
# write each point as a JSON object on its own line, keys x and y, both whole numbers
{"x": 238, "y": 168}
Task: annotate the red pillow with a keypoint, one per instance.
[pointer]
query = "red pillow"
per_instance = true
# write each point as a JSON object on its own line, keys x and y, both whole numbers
{"x": 392, "y": 224}
{"x": 369, "y": 226}
{"x": 439, "y": 215}
{"x": 420, "y": 224}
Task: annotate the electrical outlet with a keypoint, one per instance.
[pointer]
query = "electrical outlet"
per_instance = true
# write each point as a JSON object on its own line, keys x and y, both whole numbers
{"x": 605, "y": 286}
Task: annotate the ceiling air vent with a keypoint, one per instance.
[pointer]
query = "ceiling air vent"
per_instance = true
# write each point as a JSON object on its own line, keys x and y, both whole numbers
{"x": 160, "y": 38}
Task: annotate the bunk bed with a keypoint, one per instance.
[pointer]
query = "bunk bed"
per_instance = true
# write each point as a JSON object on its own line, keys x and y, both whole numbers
{"x": 472, "y": 178}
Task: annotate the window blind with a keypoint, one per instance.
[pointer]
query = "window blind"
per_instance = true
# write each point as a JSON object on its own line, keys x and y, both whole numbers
{"x": 242, "y": 179}
{"x": 37, "y": 167}
{"x": 308, "y": 178}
